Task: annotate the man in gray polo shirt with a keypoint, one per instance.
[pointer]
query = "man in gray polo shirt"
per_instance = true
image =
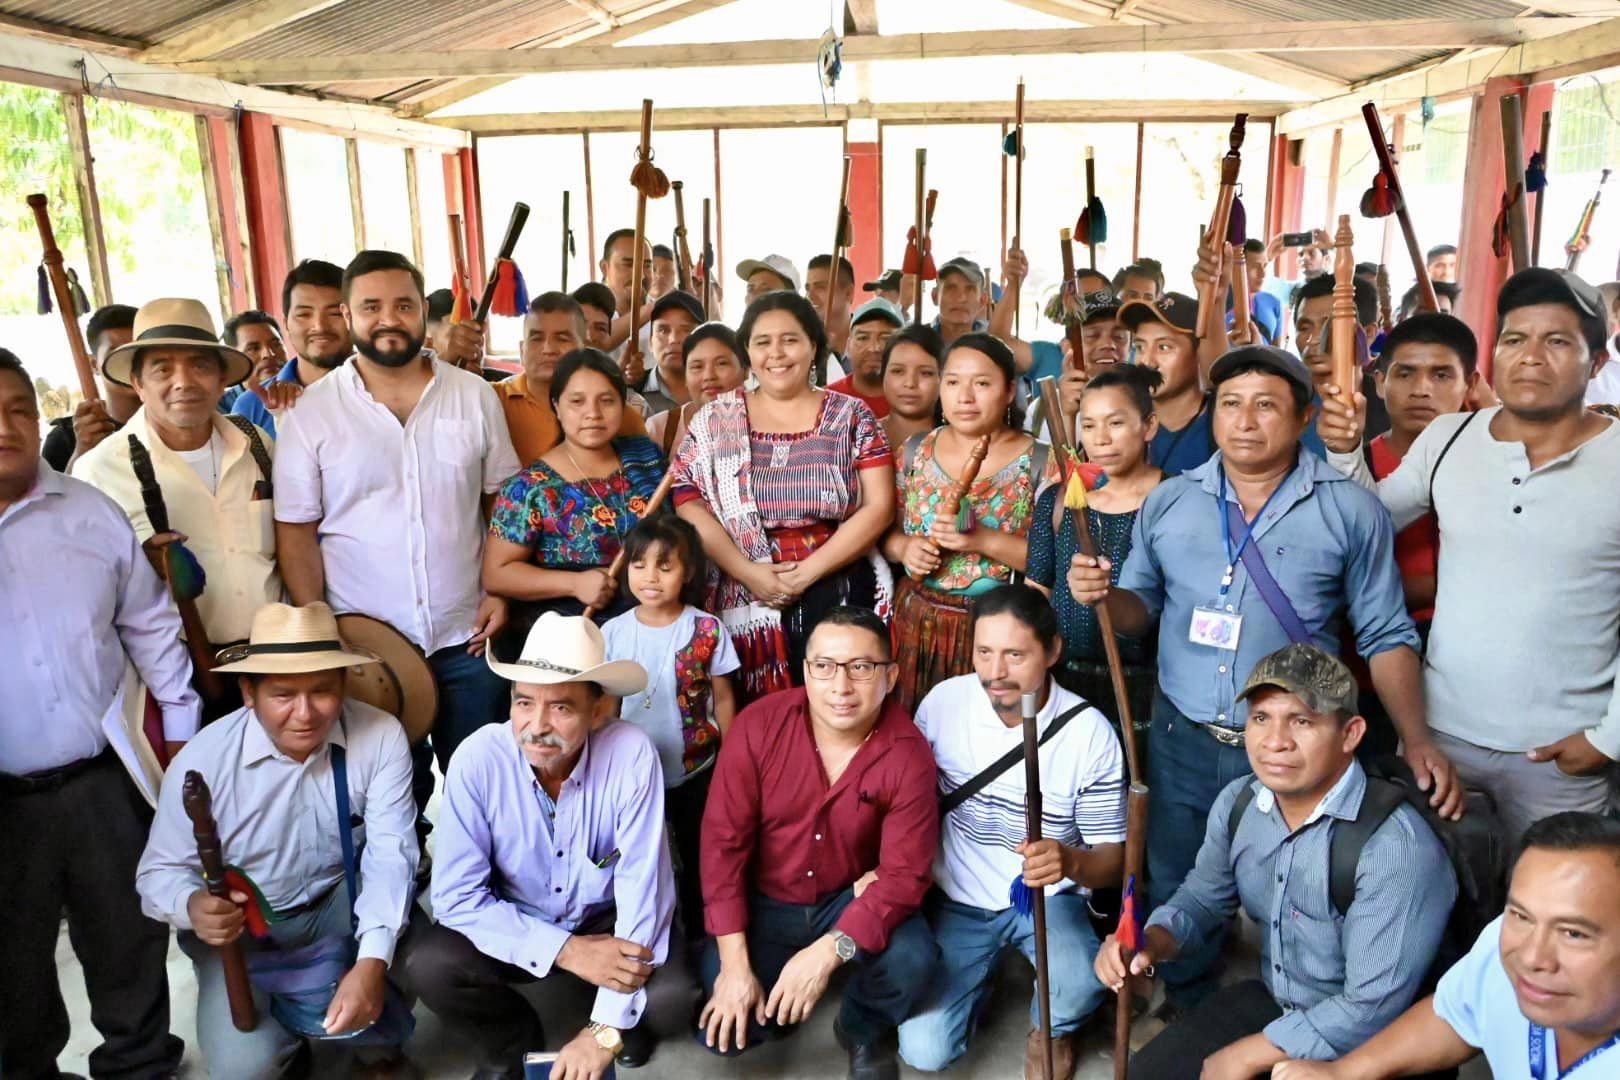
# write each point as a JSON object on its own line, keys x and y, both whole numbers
{"x": 1520, "y": 672}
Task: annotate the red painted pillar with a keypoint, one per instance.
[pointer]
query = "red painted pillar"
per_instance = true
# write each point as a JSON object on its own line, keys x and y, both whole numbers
{"x": 1480, "y": 273}
{"x": 461, "y": 190}
{"x": 865, "y": 213}
{"x": 266, "y": 208}
{"x": 222, "y": 156}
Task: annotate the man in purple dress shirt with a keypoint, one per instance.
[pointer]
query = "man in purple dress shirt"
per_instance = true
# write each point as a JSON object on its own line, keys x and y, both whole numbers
{"x": 550, "y": 858}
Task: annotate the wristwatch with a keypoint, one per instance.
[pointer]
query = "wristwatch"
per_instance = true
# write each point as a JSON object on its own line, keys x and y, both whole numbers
{"x": 608, "y": 1038}
{"x": 844, "y": 944}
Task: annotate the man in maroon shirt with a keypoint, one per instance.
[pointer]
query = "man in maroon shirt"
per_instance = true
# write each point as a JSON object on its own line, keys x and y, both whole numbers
{"x": 818, "y": 840}
{"x": 869, "y": 333}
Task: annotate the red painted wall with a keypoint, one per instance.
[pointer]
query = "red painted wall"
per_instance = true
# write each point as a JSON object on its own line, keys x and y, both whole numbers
{"x": 266, "y": 208}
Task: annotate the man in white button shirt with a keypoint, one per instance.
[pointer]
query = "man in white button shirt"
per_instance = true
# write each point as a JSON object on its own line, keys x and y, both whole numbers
{"x": 214, "y": 471}
{"x": 78, "y": 604}
{"x": 971, "y": 722}
{"x": 385, "y": 472}
{"x": 271, "y": 769}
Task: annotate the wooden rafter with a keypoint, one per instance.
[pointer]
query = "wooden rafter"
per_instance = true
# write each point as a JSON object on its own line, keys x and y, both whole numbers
{"x": 596, "y": 13}
{"x": 68, "y": 35}
{"x": 860, "y": 16}
{"x": 1188, "y": 38}
{"x": 230, "y": 25}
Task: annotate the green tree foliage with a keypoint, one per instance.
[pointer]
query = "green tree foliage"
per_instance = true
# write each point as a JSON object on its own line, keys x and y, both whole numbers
{"x": 34, "y": 156}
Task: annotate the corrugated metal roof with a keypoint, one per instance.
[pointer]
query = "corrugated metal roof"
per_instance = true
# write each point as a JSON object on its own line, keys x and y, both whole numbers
{"x": 382, "y": 26}
{"x": 1359, "y": 66}
{"x": 138, "y": 19}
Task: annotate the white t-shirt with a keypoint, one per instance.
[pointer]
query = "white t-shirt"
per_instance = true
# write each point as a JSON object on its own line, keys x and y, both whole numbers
{"x": 680, "y": 659}
{"x": 204, "y": 461}
{"x": 1082, "y": 788}
{"x": 1476, "y": 998}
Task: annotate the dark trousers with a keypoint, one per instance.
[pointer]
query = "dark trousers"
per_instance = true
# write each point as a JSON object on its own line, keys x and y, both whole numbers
{"x": 470, "y": 696}
{"x": 75, "y": 846}
{"x": 1186, "y": 769}
{"x": 473, "y": 993}
{"x": 683, "y": 813}
{"x": 882, "y": 990}
{"x": 1237, "y": 1012}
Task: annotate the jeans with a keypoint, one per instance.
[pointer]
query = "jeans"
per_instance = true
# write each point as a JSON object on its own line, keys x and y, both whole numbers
{"x": 470, "y": 696}
{"x": 883, "y": 990}
{"x": 1186, "y": 769}
{"x": 970, "y": 941}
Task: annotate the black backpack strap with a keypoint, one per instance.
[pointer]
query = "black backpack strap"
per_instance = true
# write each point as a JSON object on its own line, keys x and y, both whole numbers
{"x": 1234, "y": 817}
{"x": 1349, "y": 837}
{"x": 1004, "y": 762}
{"x": 261, "y": 456}
{"x": 1444, "y": 450}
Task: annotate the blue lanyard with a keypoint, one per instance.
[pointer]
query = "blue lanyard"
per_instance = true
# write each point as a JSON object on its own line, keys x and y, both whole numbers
{"x": 1232, "y": 556}
{"x": 1538, "y": 1053}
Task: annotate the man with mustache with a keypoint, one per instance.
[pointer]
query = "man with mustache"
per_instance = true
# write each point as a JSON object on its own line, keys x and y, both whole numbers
{"x": 312, "y": 298}
{"x": 1328, "y": 979}
{"x": 215, "y": 474}
{"x": 552, "y": 863}
{"x": 971, "y": 722}
{"x": 385, "y": 474}
{"x": 869, "y": 333}
{"x": 1539, "y": 994}
{"x": 1520, "y": 681}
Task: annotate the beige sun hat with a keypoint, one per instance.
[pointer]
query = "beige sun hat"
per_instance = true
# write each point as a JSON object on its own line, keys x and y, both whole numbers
{"x": 288, "y": 640}
{"x": 175, "y": 323}
{"x": 569, "y": 649}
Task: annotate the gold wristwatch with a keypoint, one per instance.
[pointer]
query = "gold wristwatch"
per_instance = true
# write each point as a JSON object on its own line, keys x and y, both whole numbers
{"x": 608, "y": 1038}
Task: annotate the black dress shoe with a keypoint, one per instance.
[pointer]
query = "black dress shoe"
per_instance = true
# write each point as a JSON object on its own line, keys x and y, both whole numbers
{"x": 639, "y": 1044}
{"x": 868, "y": 1061}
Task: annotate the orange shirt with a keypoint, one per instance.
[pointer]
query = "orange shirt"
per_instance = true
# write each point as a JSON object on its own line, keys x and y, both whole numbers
{"x": 534, "y": 425}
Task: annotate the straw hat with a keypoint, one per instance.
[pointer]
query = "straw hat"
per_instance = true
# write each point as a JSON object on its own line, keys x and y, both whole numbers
{"x": 569, "y": 649}
{"x": 175, "y": 323}
{"x": 401, "y": 682}
{"x": 288, "y": 640}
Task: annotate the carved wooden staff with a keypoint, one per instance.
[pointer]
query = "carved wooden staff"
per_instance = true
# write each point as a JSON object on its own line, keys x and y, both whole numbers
{"x": 175, "y": 574}
{"x": 567, "y": 241}
{"x": 1032, "y": 829}
{"x": 514, "y": 229}
{"x": 1018, "y": 182}
{"x": 650, "y": 183}
{"x": 1386, "y": 303}
{"x": 1427, "y": 301}
{"x": 708, "y": 266}
{"x": 841, "y": 239}
{"x": 660, "y": 493}
{"x": 1210, "y": 308}
{"x": 1073, "y": 325}
{"x": 1513, "y": 168}
{"x": 1582, "y": 236}
{"x": 1544, "y": 151}
{"x": 683, "y": 251}
{"x": 64, "y": 298}
{"x": 194, "y": 795}
{"x": 950, "y": 504}
{"x": 458, "y": 256}
{"x": 1136, "y": 802}
{"x": 1242, "y": 326}
{"x": 1342, "y": 338}
{"x": 917, "y": 278}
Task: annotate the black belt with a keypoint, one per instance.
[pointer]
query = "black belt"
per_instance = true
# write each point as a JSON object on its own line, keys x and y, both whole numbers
{"x": 50, "y": 779}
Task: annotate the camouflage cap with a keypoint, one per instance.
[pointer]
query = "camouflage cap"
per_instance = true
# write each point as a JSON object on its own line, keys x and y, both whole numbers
{"x": 1319, "y": 679}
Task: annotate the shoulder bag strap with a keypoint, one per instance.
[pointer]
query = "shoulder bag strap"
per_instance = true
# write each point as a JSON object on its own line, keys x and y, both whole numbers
{"x": 1444, "y": 450}
{"x": 261, "y": 456}
{"x": 1349, "y": 837}
{"x": 1003, "y": 763}
{"x": 340, "y": 786}
{"x": 1240, "y": 806}
{"x": 1260, "y": 574}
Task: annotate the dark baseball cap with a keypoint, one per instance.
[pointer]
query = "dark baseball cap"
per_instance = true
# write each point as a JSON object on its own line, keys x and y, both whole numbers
{"x": 1317, "y": 678}
{"x": 967, "y": 268}
{"x": 1545, "y": 285}
{"x": 1178, "y": 311}
{"x": 677, "y": 299}
{"x": 1267, "y": 358}
{"x": 890, "y": 280}
{"x": 1098, "y": 304}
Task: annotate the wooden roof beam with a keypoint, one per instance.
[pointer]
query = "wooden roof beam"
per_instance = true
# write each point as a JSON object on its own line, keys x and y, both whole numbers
{"x": 68, "y": 35}
{"x": 860, "y": 16}
{"x": 229, "y": 26}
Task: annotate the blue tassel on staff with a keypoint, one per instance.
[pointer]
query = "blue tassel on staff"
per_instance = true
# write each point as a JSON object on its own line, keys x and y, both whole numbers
{"x": 1535, "y": 173}
{"x": 1021, "y": 896}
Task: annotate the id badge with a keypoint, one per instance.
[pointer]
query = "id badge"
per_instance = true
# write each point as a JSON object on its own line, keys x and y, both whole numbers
{"x": 1215, "y": 627}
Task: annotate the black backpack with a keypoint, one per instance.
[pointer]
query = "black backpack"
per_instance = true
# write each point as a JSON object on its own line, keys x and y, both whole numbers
{"x": 1476, "y": 846}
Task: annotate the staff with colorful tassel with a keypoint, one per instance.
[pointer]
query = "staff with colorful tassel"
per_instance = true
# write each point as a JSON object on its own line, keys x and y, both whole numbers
{"x": 1033, "y": 901}
{"x": 567, "y": 242}
{"x": 504, "y": 292}
{"x": 1227, "y": 223}
{"x": 65, "y": 300}
{"x": 1092, "y": 227}
{"x": 842, "y": 239}
{"x": 1013, "y": 144}
{"x": 650, "y": 183}
{"x": 460, "y": 285}
{"x": 1513, "y": 226}
{"x": 1581, "y": 239}
{"x": 1535, "y": 183}
{"x": 1385, "y": 197}
{"x": 919, "y": 260}
{"x": 199, "y": 805}
{"x": 1136, "y": 801}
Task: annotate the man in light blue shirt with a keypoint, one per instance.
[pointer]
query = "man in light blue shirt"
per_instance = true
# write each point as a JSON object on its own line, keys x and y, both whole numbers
{"x": 1260, "y": 546}
{"x": 1539, "y": 993}
{"x": 550, "y": 857}
{"x": 1335, "y": 963}
{"x": 312, "y": 301}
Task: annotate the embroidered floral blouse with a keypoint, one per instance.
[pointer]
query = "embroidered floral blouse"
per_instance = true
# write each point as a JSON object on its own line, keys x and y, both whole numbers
{"x": 578, "y": 525}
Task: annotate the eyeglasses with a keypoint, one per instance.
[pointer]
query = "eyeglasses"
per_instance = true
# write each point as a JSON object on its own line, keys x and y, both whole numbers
{"x": 859, "y": 670}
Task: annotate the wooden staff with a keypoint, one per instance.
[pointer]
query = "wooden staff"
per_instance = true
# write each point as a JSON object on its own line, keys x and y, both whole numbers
{"x": 1073, "y": 327}
{"x": 1582, "y": 236}
{"x": 514, "y": 228}
{"x": 1242, "y": 327}
{"x": 567, "y": 241}
{"x": 683, "y": 251}
{"x": 1004, "y": 194}
{"x": 660, "y": 493}
{"x": 211, "y": 686}
{"x": 1210, "y": 308}
{"x": 1032, "y": 827}
{"x": 950, "y": 504}
{"x": 917, "y": 297}
{"x": 1018, "y": 186}
{"x": 1342, "y": 340}
{"x": 1386, "y": 303}
{"x": 632, "y": 345}
{"x": 1513, "y": 168}
{"x": 708, "y": 266}
{"x": 1136, "y": 802}
{"x": 1545, "y": 150}
{"x": 64, "y": 298}
{"x": 1335, "y": 154}
{"x": 590, "y": 204}
{"x": 458, "y": 254}
{"x": 1427, "y": 300}
{"x": 1091, "y": 197}
{"x": 841, "y": 239}
{"x": 194, "y": 795}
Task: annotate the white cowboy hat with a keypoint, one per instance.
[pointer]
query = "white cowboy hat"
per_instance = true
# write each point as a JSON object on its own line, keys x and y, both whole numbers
{"x": 175, "y": 323}
{"x": 569, "y": 649}
{"x": 287, "y": 640}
